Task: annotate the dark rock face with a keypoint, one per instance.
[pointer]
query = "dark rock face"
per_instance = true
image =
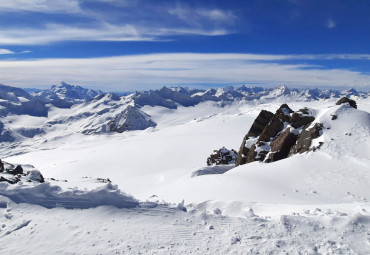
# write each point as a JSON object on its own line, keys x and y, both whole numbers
{"x": 256, "y": 129}
{"x": 272, "y": 137}
{"x": 284, "y": 112}
{"x": 1, "y": 166}
{"x": 17, "y": 170}
{"x": 305, "y": 139}
{"x": 347, "y": 100}
{"x": 222, "y": 156}
{"x": 11, "y": 180}
{"x": 272, "y": 129}
{"x": 301, "y": 118}
{"x": 260, "y": 123}
{"x": 280, "y": 147}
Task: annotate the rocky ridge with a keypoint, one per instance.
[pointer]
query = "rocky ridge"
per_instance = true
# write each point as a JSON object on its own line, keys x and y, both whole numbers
{"x": 275, "y": 136}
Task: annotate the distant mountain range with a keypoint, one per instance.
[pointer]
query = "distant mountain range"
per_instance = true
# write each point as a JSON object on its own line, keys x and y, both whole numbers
{"x": 97, "y": 112}
{"x": 64, "y": 95}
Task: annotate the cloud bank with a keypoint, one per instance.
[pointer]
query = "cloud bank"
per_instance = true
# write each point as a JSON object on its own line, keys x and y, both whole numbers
{"x": 141, "y": 72}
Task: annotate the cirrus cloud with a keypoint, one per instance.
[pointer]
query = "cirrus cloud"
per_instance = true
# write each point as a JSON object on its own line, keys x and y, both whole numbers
{"x": 141, "y": 72}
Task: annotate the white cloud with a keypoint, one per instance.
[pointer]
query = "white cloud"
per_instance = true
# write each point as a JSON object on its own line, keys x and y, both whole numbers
{"x": 46, "y": 6}
{"x": 130, "y": 21}
{"x": 54, "y": 33}
{"x": 151, "y": 71}
{"x": 217, "y": 15}
{"x": 5, "y": 51}
{"x": 197, "y": 17}
{"x": 330, "y": 23}
{"x": 104, "y": 32}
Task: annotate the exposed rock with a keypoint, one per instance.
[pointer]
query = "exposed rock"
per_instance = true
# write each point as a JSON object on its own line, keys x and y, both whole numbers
{"x": 280, "y": 147}
{"x": 272, "y": 129}
{"x": 260, "y": 123}
{"x": 222, "y": 156}
{"x": 272, "y": 136}
{"x": 284, "y": 112}
{"x": 17, "y": 170}
{"x": 13, "y": 174}
{"x": 10, "y": 179}
{"x": 257, "y": 127}
{"x": 347, "y": 100}
{"x": 305, "y": 139}
{"x": 1, "y": 166}
{"x": 301, "y": 118}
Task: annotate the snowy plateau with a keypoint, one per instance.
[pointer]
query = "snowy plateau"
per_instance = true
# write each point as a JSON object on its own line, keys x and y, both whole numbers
{"x": 106, "y": 173}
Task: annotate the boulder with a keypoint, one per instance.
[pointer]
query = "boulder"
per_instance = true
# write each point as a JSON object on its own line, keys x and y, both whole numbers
{"x": 17, "y": 170}
{"x": 347, "y": 100}
{"x": 222, "y": 156}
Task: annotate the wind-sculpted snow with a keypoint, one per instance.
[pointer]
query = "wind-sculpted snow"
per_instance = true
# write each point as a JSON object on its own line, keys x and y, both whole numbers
{"x": 51, "y": 196}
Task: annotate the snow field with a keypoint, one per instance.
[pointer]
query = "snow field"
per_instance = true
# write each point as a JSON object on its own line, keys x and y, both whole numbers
{"x": 312, "y": 203}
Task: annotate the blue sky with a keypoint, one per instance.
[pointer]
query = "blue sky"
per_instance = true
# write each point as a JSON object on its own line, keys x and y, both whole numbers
{"x": 143, "y": 44}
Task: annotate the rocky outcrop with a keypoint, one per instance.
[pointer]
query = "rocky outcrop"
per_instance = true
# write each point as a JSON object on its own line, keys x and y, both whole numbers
{"x": 222, "y": 156}
{"x": 256, "y": 129}
{"x": 301, "y": 118}
{"x": 347, "y": 100}
{"x": 280, "y": 147}
{"x": 274, "y": 137}
{"x": 13, "y": 174}
{"x": 305, "y": 138}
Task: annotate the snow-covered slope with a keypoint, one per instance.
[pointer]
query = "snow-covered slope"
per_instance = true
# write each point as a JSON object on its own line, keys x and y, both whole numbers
{"x": 313, "y": 203}
{"x": 17, "y": 101}
{"x": 62, "y": 94}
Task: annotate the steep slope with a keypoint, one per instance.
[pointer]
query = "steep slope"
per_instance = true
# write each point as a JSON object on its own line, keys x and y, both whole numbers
{"x": 104, "y": 114}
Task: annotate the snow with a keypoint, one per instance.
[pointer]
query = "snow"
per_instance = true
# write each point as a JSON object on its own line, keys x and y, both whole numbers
{"x": 51, "y": 196}
{"x": 311, "y": 203}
